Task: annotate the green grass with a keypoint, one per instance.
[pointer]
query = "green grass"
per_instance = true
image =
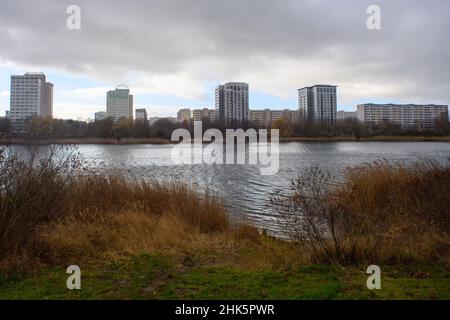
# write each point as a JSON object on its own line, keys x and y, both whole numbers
{"x": 164, "y": 277}
{"x": 230, "y": 283}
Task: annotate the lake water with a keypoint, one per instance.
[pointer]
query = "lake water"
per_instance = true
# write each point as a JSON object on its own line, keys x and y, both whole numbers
{"x": 242, "y": 187}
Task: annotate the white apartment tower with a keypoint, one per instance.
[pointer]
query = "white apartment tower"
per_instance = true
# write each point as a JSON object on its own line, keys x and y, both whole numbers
{"x": 318, "y": 104}
{"x": 231, "y": 103}
{"x": 31, "y": 96}
{"x": 119, "y": 103}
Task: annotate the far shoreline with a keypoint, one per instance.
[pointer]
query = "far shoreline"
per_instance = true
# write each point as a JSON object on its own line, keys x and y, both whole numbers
{"x": 163, "y": 141}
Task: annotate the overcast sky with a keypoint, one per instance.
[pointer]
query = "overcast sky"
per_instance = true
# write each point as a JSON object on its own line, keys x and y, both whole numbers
{"x": 173, "y": 53}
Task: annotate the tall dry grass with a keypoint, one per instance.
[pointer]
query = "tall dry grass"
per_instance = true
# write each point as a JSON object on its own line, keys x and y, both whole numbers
{"x": 53, "y": 208}
{"x": 379, "y": 212}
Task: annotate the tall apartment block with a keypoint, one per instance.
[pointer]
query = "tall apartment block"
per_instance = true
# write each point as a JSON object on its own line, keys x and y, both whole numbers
{"x": 231, "y": 103}
{"x": 413, "y": 116}
{"x": 184, "y": 115}
{"x": 318, "y": 103}
{"x": 31, "y": 96}
{"x": 119, "y": 103}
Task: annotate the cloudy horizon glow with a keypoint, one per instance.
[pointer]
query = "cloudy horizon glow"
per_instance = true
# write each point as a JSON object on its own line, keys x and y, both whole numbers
{"x": 173, "y": 53}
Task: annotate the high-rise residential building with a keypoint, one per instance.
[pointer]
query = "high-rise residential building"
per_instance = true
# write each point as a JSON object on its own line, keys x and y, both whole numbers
{"x": 408, "y": 116}
{"x": 231, "y": 103}
{"x": 99, "y": 116}
{"x": 318, "y": 103}
{"x": 204, "y": 114}
{"x": 266, "y": 118}
{"x": 343, "y": 115}
{"x": 31, "y": 96}
{"x": 119, "y": 103}
{"x": 141, "y": 115}
{"x": 184, "y": 115}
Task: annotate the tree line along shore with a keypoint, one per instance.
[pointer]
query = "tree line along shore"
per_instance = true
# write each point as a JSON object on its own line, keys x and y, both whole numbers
{"x": 126, "y": 131}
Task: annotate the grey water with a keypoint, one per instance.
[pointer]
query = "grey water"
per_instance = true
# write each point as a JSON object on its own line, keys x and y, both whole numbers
{"x": 242, "y": 188}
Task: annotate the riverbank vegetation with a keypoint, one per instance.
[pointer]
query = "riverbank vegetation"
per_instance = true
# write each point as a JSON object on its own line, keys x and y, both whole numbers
{"x": 146, "y": 239}
{"x": 383, "y": 212}
{"x": 125, "y": 131}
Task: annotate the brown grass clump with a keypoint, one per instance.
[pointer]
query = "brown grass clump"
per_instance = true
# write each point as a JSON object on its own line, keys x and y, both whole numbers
{"x": 380, "y": 212}
{"x": 52, "y": 210}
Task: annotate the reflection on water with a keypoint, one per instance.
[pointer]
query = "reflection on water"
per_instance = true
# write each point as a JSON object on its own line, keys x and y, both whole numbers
{"x": 242, "y": 187}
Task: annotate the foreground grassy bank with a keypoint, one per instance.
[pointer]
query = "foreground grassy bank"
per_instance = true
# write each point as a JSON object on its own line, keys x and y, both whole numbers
{"x": 166, "y": 276}
{"x": 137, "y": 239}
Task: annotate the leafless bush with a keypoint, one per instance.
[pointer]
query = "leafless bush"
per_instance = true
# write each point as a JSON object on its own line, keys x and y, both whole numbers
{"x": 378, "y": 212}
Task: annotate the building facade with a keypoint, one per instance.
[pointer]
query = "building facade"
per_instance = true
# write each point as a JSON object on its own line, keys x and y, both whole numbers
{"x": 318, "y": 104}
{"x": 153, "y": 120}
{"x": 266, "y": 118}
{"x": 119, "y": 103}
{"x": 184, "y": 115}
{"x": 344, "y": 115}
{"x": 261, "y": 118}
{"x": 31, "y": 96}
{"x": 204, "y": 114}
{"x": 231, "y": 103}
{"x": 408, "y": 116}
{"x": 141, "y": 115}
{"x": 99, "y": 116}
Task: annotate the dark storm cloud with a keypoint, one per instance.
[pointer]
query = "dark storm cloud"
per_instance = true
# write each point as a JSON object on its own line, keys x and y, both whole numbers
{"x": 275, "y": 45}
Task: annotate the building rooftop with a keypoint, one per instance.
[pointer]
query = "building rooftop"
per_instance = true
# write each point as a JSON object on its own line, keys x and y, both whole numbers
{"x": 319, "y": 85}
{"x": 403, "y": 105}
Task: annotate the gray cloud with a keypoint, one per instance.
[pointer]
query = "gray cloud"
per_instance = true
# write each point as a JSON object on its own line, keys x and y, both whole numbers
{"x": 180, "y": 46}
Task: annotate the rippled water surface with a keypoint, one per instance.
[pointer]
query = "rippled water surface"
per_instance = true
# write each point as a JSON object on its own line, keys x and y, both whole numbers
{"x": 242, "y": 187}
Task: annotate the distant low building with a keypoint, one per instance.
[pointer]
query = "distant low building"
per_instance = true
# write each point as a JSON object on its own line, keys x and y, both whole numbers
{"x": 343, "y": 115}
{"x": 266, "y": 118}
{"x": 184, "y": 115}
{"x": 261, "y": 118}
{"x": 407, "y": 116}
{"x": 204, "y": 114}
{"x": 153, "y": 120}
{"x": 141, "y": 115}
{"x": 99, "y": 116}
